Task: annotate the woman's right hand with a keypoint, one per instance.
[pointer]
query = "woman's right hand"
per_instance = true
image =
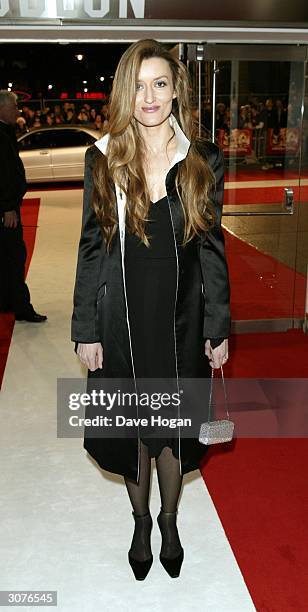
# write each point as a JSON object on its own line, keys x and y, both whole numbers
{"x": 91, "y": 355}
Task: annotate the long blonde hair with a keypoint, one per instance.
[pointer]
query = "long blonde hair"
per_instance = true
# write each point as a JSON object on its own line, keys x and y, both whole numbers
{"x": 123, "y": 163}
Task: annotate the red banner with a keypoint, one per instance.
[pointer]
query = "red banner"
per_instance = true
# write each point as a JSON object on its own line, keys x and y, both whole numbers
{"x": 237, "y": 142}
{"x": 285, "y": 141}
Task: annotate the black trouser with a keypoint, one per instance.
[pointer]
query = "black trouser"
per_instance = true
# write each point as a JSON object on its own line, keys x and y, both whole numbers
{"x": 14, "y": 293}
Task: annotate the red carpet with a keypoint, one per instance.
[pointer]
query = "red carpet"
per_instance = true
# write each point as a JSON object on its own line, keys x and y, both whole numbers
{"x": 263, "y": 195}
{"x": 29, "y": 215}
{"x": 261, "y": 495}
{"x": 268, "y": 355}
{"x": 261, "y": 286}
{"x": 260, "y": 486}
{"x": 245, "y": 173}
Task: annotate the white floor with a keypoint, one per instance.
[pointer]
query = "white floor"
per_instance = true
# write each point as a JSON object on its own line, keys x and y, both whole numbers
{"x": 65, "y": 525}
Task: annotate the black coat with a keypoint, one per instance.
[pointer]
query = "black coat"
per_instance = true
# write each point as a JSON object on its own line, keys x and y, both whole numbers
{"x": 202, "y": 308}
{"x": 13, "y": 184}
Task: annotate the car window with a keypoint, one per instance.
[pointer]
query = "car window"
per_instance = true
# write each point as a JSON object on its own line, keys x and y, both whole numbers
{"x": 36, "y": 140}
{"x": 55, "y": 138}
{"x": 72, "y": 138}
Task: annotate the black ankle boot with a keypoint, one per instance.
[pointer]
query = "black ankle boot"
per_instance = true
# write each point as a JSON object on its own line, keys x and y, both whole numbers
{"x": 173, "y": 556}
{"x": 140, "y": 542}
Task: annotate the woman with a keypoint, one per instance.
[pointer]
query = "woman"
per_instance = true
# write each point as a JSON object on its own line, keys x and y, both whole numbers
{"x": 152, "y": 292}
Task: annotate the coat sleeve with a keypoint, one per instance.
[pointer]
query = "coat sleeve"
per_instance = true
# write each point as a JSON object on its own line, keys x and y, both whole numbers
{"x": 90, "y": 257}
{"x": 217, "y": 321}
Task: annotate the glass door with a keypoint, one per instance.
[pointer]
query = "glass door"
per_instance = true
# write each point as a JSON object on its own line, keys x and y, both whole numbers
{"x": 250, "y": 98}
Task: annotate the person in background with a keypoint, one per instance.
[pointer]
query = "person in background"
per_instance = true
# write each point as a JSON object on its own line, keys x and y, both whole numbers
{"x": 83, "y": 116}
{"x": 14, "y": 293}
{"x": 70, "y": 117}
{"x": 98, "y": 125}
{"x": 29, "y": 115}
{"x": 21, "y": 126}
{"x": 50, "y": 119}
{"x": 105, "y": 116}
{"x": 220, "y": 115}
{"x": 93, "y": 114}
{"x": 58, "y": 114}
{"x": 37, "y": 123}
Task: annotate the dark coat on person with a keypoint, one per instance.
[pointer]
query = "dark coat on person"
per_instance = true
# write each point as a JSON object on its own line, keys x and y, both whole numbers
{"x": 100, "y": 309}
{"x": 14, "y": 292}
{"x": 13, "y": 184}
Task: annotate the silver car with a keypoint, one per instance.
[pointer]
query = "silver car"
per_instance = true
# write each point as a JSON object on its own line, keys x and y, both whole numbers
{"x": 56, "y": 153}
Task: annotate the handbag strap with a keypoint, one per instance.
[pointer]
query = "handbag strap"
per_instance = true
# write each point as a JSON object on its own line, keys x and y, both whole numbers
{"x": 225, "y": 392}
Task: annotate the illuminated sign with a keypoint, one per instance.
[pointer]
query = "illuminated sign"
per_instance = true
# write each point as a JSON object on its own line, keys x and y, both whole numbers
{"x": 225, "y": 10}
{"x": 90, "y": 95}
{"x": 93, "y": 95}
{"x": 70, "y": 9}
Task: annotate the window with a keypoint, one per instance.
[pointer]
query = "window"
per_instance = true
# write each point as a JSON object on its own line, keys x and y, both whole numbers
{"x": 72, "y": 138}
{"x": 56, "y": 138}
{"x": 36, "y": 140}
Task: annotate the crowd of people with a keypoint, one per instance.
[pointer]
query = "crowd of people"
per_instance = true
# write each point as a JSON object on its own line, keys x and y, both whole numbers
{"x": 256, "y": 114}
{"x": 67, "y": 113}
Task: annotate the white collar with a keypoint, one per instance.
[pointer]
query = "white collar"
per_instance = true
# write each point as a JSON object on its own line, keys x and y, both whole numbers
{"x": 183, "y": 143}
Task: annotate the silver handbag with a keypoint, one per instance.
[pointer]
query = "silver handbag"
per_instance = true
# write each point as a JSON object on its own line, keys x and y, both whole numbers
{"x": 213, "y": 432}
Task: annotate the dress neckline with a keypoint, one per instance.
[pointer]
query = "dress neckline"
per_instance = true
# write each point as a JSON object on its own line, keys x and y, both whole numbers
{"x": 160, "y": 199}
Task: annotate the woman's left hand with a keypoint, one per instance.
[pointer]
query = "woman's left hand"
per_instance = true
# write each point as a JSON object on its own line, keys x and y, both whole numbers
{"x": 218, "y": 356}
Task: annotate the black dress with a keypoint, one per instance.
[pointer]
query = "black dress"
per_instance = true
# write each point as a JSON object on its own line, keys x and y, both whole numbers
{"x": 151, "y": 278}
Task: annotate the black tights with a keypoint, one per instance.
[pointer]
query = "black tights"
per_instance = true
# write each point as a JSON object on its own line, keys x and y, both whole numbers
{"x": 170, "y": 483}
